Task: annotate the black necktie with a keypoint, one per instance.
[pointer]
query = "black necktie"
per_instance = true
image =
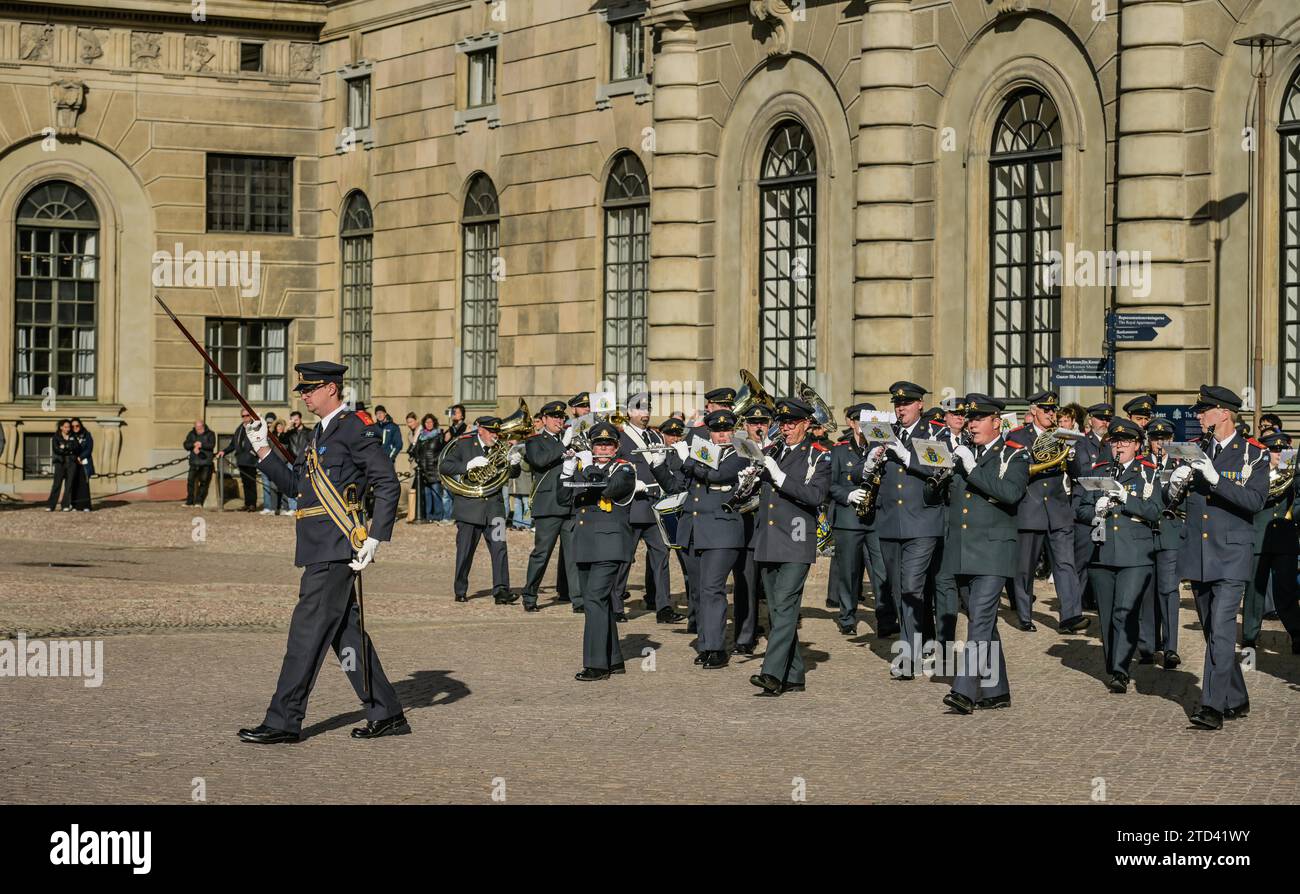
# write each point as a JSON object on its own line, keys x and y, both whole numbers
{"x": 979, "y": 452}
{"x": 1215, "y": 450}
{"x": 905, "y": 437}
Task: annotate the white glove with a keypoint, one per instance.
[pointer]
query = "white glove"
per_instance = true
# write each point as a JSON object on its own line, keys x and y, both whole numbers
{"x": 1103, "y": 505}
{"x": 965, "y": 456}
{"x": 682, "y": 450}
{"x": 365, "y": 555}
{"x": 900, "y": 453}
{"x": 778, "y": 477}
{"x": 1180, "y": 474}
{"x": 584, "y": 457}
{"x": 857, "y": 496}
{"x": 876, "y": 455}
{"x": 639, "y": 487}
{"x": 568, "y": 436}
{"x": 657, "y": 458}
{"x": 515, "y": 458}
{"x": 476, "y": 462}
{"x": 570, "y": 466}
{"x": 1207, "y": 470}
{"x": 257, "y": 435}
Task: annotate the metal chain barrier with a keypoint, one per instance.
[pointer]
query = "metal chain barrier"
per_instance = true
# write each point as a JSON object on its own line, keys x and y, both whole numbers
{"x": 123, "y": 474}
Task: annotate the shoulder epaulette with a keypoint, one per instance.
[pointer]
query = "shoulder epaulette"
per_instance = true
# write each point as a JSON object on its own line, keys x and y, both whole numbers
{"x": 841, "y": 443}
{"x": 819, "y": 447}
{"x": 468, "y": 434}
{"x": 1255, "y": 443}
{"x": 1016, "y": 429}
{"x": 1100, "y": 464}
{"x": 364, "y": 417}
{"x": 1148, "y": 463}
{"x": 1013, "y": 445}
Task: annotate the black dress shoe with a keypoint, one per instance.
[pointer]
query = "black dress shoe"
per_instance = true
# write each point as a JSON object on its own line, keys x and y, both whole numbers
{"x": 502, "y": 596}
{"x": 579, "y": 609}
{"x": 766, "y": 682}
{"x": 267, "y": 735}
{"x": 700, "y": 657}
{"x": 887, "y": 631}
{"x": 793, "y": 687}
{"x": 832, "y": 603}
{"x": 563, "y": 599}
{"x": 669, "y": 615}
{"x": 532, "y": 607}
{"x": 849, "y": 631}
{"x": 1028, "y": 626}
{"x": 959, "y": 703}
{"x": 1248, "y": 643}
{"x": 742, "y": 650}
{"x": 902, "y": 676}
{"x": 1077, "y": 624}
{"x": 620, "y": 668}
{"x": 590, "y": 674}
{"x": 690, "y": 627}
{"x": 620, "y": 618}
{"x": 1118, "y": 683}
{"x": 760, "y": 630}
{"x": 389, "y": 726}
{"x": 1207, "y": 718}
{"x": 1172, "y": 660}
{"x": 1146, "y": 658}
{"x": 462, "y": 598}
{"x": 992, "y": 703}
{"x": 714, "y": 660}
{"x": 1238, "y": 712}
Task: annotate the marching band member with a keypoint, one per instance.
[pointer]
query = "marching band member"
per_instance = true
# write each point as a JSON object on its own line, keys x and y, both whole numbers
{"x": 712, "y": 535}
{"x": 1121, "y": 566}
{"x": 1045, "y": 515}
{"x": 1275, "y": 554}
{"x": 600, "y": 506}
{"x": 649, "y": 467}
{"x": 1158, "y": 631}
{"x": 988, "y": 483}
{"x": 552, "y": 518}
{"x": 1088, "y": 451}
{"x": 854, "y": 533}
{"x": 1223, "y": 491}
{"x": 480, "y": 516}
{"x": 908, "y": 523}
{"x": 746, "y": 584}
{"x": 795, "y": 485}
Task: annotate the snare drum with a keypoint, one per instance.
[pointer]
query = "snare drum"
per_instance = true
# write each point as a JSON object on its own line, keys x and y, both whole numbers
{"x": 668, "y": 512}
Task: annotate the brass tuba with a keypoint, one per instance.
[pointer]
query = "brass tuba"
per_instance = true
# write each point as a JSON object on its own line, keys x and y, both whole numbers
{"x": 484, "y": 481}
{"x": 750, "y": 395}
{"x": 822, "y": 414}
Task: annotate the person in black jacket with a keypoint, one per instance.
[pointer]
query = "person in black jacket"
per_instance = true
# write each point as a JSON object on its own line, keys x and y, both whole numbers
{"x": 245, "y": 460}
{"x": 84, "y": 466}
{"x": 65, "y": 461}
{"x": 200, "y": 444}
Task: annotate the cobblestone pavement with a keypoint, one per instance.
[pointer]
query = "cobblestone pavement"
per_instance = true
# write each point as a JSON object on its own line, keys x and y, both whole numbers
{"x": 193, "y": 607}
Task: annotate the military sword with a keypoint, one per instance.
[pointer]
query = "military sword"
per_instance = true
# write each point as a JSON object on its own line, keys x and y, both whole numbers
{"x": 365, "y": 640}
{"x": 284, "y": 451}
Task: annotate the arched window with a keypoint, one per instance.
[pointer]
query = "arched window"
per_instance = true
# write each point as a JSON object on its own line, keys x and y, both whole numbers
{"x": 478, "y": 351}
{"x": 356, "y": 251}
{"x": 1289, "y": 281}
{"x": 788, "y": 246}
{"x": 627, "y": 264}
{"x": 55, "y": 292}
{"x": 1025, "y": 225}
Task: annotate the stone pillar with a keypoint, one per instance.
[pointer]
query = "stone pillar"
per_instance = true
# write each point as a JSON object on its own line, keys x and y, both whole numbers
{"x": 1163, "y": 178}
{"x": 680, "y": 314}
{"x": 891, "y": 322}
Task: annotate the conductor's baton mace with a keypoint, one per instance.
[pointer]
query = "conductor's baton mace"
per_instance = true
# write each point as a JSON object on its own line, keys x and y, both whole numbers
{"x": 212, "y": 364}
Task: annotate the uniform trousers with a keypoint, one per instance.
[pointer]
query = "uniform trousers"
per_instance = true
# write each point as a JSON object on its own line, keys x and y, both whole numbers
{"x": 467, "y": 537}
{"x": 597, "y": 581}
{"x": 984, "y": 667}
{"x": 783, "y": 587}
{"x": 1217, "y": 604}
{"x": 326, "y": 617}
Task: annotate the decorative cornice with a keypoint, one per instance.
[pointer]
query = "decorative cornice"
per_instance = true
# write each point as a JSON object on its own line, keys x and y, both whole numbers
{"x": 268, "y": 23}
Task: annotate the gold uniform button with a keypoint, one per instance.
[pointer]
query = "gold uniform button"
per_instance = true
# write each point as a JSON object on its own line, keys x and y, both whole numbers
{"x": 694, "y": 513}
{"x": 697, "y": 499}
{"x": 968, "y": 496}
{"x": 900, "y": 502}
{"x": 965, "y": 511}
{"x": 771, "y": 506}
{"x": 1205, "y": 536}
{"x": 771, "y": 523}
{"x": 1206, "y": 517}
{"x": 900, "y": 487}
{"x": 963, "y": 527}
{"x": 1115, "y": 527}
{"x": 581, "y": 522}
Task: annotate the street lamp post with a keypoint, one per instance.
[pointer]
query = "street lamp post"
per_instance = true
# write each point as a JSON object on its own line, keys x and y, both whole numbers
{"x": 1263, "y": 48}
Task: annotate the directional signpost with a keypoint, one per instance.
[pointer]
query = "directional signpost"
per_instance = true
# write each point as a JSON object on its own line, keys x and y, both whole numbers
{"x": 1082, "y": 371}
{"x": 1134, "y": 327}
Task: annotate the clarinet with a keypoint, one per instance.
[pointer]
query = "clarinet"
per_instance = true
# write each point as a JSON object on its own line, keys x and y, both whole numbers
{"x": 1178, "y": 493}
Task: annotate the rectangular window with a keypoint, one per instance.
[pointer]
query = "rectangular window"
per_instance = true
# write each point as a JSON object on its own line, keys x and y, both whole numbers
{"x": 359, "y": 103}
{"x": 252, "y": 353}
{"x": 54, "y": 312}
{"x": 38, "y": 456}
{"x": 626, "y": 54}
{"x": 1289, "y": 365}
{"x": 249, "y": 194}
{"x": 482, "y": 78}
{"x": 356, "y": 313}
{"x": 250, "y": 56}
{"x": 627, "y": 264}
{"x": 479, "y": 327}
